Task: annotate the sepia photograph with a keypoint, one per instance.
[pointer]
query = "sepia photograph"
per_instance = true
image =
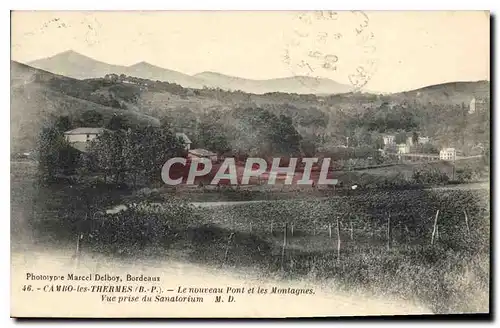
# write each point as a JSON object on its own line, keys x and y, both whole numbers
{"x": 249, "y": 164}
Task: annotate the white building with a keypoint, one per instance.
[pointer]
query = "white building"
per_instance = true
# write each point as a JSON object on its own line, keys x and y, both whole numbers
{"x": 423, "y": 140}
{"x": 448, "y": 154}
{"x": 185, "y": 139}
{"x": 389, "y": 140}
{"x": 79, "y": 138}
{"x": 403, "y": 148}
{"x": 477, "y": 105}
{"x": 472, "y": 106}
{"x": 83, "y": 134}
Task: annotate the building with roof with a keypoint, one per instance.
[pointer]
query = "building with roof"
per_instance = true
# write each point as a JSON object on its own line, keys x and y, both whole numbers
{"x": 403, "y": 148}
{"x": 423, "y": 140}
{"x": 79, "y": 138}
{"x": 448, "y": 154}
{"x": 202, "y": 153}
{"x": 185, "y": 139}
{"x": 477, "y": 105}
{"x": 389, "y": 140}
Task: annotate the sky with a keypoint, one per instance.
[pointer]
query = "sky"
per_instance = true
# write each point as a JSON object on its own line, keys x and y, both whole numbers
{"x": 382, "y": 51}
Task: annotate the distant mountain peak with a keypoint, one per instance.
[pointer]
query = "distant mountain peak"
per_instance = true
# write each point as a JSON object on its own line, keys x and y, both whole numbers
{"x": 143, "y": 64}
{"x": 71, "y": 53}
{"x": 209, "y": 73}
{"x": 68, "y": 56}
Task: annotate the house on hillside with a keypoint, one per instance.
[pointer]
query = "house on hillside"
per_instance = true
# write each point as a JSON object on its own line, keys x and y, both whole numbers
{"x": 403, "y": 148}
{"x": 420, "y": 141}
{"x": 423, "y": 140}
{"x": 185, "y": 139}
{"x": 389, "y": 140}
{"x": 79, "y": 138}
{"x": 477, "y": 105}
{"x": 447, "y": 154}
{"x": 202, "y": 153}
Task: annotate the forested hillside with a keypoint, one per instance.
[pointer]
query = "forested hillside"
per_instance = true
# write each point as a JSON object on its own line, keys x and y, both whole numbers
{"x": 241, "y": 122}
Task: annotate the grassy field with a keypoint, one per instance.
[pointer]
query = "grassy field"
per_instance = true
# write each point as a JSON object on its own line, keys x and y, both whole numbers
{"x": 452, "y": 275}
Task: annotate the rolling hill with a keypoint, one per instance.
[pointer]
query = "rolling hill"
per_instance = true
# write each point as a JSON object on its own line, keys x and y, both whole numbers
{"x": 36, "y": 97}
{"x": 451, "y": 93}
{"x": 295, "y": 84}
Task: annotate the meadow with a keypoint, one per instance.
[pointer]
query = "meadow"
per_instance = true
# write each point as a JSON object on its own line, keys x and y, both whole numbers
{"x": 390, "y": 241}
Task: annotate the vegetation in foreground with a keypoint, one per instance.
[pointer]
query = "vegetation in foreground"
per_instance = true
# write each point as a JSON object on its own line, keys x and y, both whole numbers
{"x": 452, "y": 275}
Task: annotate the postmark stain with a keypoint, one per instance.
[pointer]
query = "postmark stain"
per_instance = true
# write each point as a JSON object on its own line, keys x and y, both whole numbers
{"x": 330, "y": 44}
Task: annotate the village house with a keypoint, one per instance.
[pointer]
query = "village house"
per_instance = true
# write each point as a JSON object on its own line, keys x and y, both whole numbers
{"x": 202, "y": 153}
{"x": 79, "y": 138}
{"x": 403, "y": 148}
{"x": 423, "y": 140}
{"x": 477, "y": 105}
{"x": 389, "y": 140}
{"x": 83, "y": 134}
{"x": 420, "y": 141}
{"x": 185, "y": 139}
{"x": 448, "y": 154}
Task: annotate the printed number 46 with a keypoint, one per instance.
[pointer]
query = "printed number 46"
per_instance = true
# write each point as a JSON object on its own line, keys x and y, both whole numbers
{"x": 27, "y": 288}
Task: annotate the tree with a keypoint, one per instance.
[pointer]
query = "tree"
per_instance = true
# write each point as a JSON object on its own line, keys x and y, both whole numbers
{"x": 284, "y": 136}
{"x": 118, "y": 123}
{"x": 126, "y": 155}
{"x": 258, "y": 132}
{"x": 400, "y": 137}
{"x": 55, "y": 155}
{"x": 414, "y": 138}
{"x": 63, "y": 123}
{"x": 107, "y": 150}
{"x": 211, "y": 134}
{"x": 92, "y": 119}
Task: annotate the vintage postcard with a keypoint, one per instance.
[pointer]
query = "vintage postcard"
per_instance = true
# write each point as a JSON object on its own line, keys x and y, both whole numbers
{"x": 249, "y": 164}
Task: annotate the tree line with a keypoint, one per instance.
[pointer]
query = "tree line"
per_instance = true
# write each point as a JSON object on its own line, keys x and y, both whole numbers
{"x": 118, "y": 156}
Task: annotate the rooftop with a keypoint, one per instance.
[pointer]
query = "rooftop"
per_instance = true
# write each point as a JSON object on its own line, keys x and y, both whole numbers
{"x": 202, "y": 152}
{"x": 85, "y": 131}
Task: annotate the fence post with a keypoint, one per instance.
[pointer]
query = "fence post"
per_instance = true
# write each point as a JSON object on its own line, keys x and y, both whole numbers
{"x": 338, "y": 240}
{"x": 330, "y": 230}
{"x": 284, "y": 246}
{"x": 250, "y": 227}
{"x": 352, "y": 231}
{"x": 291, "y": 229}
{"x": 467, "y": 222}
{"x": 79, "y": 236}
{"x": 389, "y": 232}
{"x": 435, "y": 227}
{"x": 272, "y": 222}
{"x": 227, "y": 247}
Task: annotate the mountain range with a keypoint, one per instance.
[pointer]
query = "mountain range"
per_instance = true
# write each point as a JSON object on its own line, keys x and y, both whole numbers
{"x": 78, "y": 66}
